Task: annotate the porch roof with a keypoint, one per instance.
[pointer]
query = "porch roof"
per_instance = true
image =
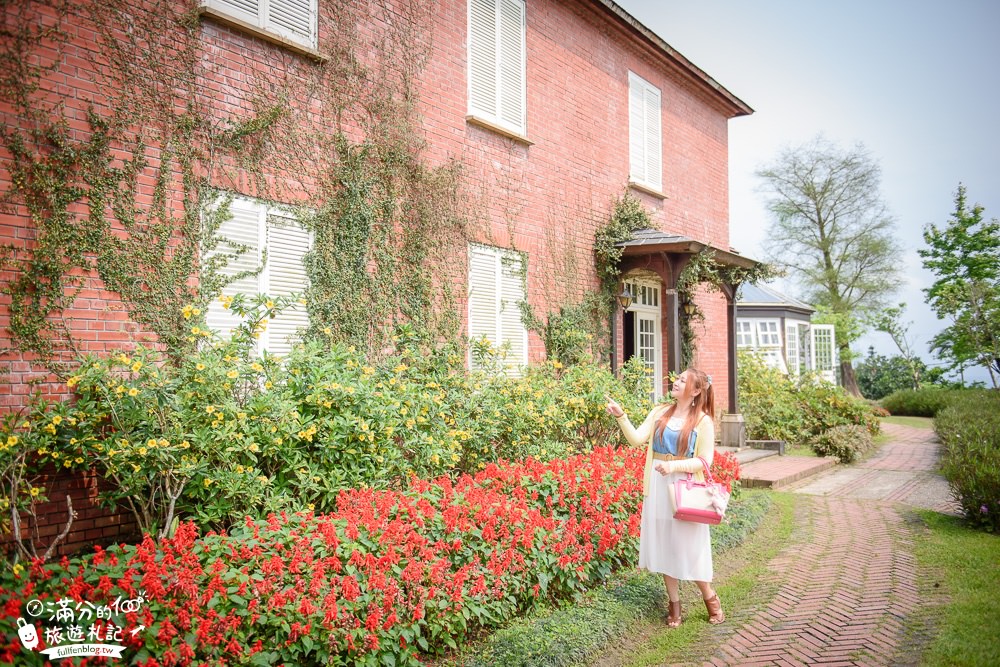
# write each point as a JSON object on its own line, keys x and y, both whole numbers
{"x": 652, "y": 241}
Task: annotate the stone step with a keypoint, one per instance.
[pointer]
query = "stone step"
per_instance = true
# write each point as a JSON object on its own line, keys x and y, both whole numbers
{"x": 774, "y": 472}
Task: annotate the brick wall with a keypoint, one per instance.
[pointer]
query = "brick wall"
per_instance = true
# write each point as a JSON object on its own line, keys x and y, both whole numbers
{"x": 546, "y": 199}
{"x": 93, "y": 524}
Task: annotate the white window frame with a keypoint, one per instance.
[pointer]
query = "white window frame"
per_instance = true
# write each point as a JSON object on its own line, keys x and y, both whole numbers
{"x": 497, "y": 54}
{"x": 645, "y": 125}
{"x": 494, "y": 309}
{"x": 823, "y": 353}
{"x": 265, "y": 218}
{"x": 758, "y": 335}
{"x": 283, "y": 19}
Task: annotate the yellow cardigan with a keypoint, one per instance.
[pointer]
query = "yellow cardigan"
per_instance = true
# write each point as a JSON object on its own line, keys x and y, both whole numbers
{"x": 704, "y": 445}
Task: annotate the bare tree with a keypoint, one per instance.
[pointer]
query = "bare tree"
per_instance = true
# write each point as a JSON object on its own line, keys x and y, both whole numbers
{"x": 833, "y": 233}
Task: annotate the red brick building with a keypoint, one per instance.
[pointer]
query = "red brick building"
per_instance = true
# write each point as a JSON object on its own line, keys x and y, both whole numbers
{"x": 554, "y": 109}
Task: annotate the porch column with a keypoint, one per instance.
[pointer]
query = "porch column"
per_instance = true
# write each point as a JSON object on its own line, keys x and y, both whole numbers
{"x": 731, "y": 305}
{"x": 674, "y": 264}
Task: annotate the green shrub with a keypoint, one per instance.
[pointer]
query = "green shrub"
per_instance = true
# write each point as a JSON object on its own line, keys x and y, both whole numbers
{"x": 846, "y": 442}
{"x": 924, "y": 402}
{"x": 969, "y": 432}
{"x": 227, "y": 432}
{"x": 777, "y": 407}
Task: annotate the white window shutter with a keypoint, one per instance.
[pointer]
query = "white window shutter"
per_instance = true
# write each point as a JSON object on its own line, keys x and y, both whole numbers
{"x": 645, "y": 133}
{"x": 483, "y": 57}
{"x": 483, "y": 294}
{"x": 293, "y": 19}
{"x": 512, "y": 331}
{"x": 654, "y": 145}
{"x": 511, "y": 48}
{"x": 242, "y": 229}
{"x": 636, "y": 130}
{"x": 248, "y": 11}
{"x": 287, "y": 244}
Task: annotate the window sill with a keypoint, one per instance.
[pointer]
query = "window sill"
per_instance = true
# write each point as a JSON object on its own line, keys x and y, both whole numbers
{"x": 648, "y": 190}
{"x": 266, "y": 35}
{"x": 499, "y": 129}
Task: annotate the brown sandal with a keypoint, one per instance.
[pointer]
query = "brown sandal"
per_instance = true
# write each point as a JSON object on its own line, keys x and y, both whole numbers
{"x": 674, "y": 614}
{"x": 714, "y": 607}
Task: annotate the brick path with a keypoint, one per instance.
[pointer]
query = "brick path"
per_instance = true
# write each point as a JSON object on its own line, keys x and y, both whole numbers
{"x": 842, "y": 591}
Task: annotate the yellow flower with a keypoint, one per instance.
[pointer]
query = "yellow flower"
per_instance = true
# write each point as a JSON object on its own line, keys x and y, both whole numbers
{"x": 269, "y": 304}
{"x": 120, "y": 389}
{"x": 163, "y": 442}
{"x": 207, "y": 481}
{"x": 233, "y": 374}
{"x": 195, "y": 330}
{"x": 186, "y": 312}
{"x": 142, "y": 451}
{"x": 79, "y": 459}
{"x": 136, "y": 366}
{"x": 72, "y": 382}
{"x": 35, "y": 491}
{"x": 18, "y": 569}
{"x": 124, "y": 359}
{"x": 256, "y": 366}
{"x": 253, "y": 446}
{"x": 199, "y": 366}
{"x": 209, "y": 409}
{"x": 49, "y": 428}
{"x": 133, "y": 392}
{"x": 11, "y": 440}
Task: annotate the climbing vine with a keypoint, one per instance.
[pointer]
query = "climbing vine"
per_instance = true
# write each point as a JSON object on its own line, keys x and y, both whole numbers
{"x": 704, "y": 269}
{"x": 137, "y": 196}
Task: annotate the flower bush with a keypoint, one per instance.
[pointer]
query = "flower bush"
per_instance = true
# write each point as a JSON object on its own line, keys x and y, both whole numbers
{"x": 388, "y": 577}
{"x": 846, "y": 442}
{"x": 725, "y": 469}
{"x": 777, "y": 407}
{"x": 228, "y": 431}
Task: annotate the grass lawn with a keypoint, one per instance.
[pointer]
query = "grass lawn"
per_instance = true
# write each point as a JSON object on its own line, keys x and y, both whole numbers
{"x": 966, "y": 563}
{"x": 913, "y": 422}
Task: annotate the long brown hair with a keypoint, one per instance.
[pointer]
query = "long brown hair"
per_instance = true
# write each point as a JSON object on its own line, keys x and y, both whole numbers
{"x": 703, "y": 404}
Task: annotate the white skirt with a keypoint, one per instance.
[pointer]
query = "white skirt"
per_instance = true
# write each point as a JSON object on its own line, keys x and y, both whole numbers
{"x": 678, "y": 549}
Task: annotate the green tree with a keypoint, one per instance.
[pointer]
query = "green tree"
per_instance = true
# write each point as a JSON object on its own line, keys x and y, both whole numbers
{"x": 964, "y": 256}
{"x": 888, "y": 321}
{"x": 832, "y": 233}
{"x": 878, "y": 375}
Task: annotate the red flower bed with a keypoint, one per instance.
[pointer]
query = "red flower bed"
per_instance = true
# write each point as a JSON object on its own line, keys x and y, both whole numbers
{"x": 387, "y": 577}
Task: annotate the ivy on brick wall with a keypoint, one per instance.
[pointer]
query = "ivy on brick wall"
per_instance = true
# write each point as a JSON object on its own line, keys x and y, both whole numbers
{"x": 131, "y": 193}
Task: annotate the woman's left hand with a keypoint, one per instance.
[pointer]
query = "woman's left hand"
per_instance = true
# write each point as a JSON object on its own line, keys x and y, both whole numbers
{"x": 662, "y": 469}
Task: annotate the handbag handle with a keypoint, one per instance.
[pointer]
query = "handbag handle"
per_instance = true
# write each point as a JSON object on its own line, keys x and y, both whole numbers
{"x": 708, "y": 473}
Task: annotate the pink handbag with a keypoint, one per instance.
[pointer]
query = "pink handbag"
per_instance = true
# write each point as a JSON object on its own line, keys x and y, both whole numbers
{"x": 701, "y": 502}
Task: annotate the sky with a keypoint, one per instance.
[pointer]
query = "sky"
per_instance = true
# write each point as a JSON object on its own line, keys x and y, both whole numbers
{"x": 915, "y": 82}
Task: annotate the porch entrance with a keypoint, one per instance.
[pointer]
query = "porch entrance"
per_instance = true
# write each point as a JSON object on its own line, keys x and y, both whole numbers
{"x": 641, "y": 334}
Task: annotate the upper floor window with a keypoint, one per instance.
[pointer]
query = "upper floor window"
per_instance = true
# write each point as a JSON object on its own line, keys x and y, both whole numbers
{"x": 290, "y": 20}
{"x": 496, "y": 290}
{"x": 496, "y": 62}
{"x": 259, "y": 236}
{"x": 644, "y": 135}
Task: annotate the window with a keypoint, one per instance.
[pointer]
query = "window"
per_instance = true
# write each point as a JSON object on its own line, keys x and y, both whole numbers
{"x": 496, "y": 290}
{"x": 792, "y": 347}
{"x": 291, "y": 20}
{"x": 744, "y": 334}
{"x": 764, "y": 338}
{"x": 496, "y": 62}
{"x": 641, "y": 329}
{"x": 257, "y": 227}
{"x": 644, "y": 134}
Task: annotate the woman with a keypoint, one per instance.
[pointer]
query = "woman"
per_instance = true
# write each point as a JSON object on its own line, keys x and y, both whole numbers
{"x": 673, "y": 436}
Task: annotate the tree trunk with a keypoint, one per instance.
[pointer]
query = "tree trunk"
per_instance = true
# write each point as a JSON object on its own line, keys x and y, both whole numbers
{"x": 848, "y": 380}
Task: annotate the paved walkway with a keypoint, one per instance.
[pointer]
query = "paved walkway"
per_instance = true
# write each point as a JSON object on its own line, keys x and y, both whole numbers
{"x": 842, "y": 592}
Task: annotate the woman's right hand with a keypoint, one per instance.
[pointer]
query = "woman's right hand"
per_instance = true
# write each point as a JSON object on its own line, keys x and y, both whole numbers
{"x": 613, "y": 408}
